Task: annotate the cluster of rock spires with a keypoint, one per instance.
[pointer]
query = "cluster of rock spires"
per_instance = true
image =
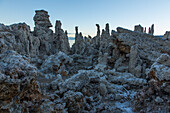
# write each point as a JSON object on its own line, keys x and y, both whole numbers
{"x": 141, "y": 29}
{"x": 121, "y": 71}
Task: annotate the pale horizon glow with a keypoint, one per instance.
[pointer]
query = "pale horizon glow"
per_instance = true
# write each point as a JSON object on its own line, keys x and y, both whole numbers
{"x": 87, "y": 13}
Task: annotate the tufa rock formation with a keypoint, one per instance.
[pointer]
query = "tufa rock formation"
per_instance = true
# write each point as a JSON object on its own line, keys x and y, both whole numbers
{"x": 116, "y": 71}
{"x": 158, "y": 89}
{"x": 138, "y": 28}
{"x": 61, "y": 39}
{"x": 151, "y": 29}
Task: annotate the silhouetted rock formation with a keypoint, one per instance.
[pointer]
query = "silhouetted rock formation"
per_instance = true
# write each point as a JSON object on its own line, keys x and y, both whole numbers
{"x": 145, "y": 30}
{"x": 96, "y": 39}
{"x": 151, "y": 29}
{"x": 98, "y": 29}
{"x": 138, "y": 28}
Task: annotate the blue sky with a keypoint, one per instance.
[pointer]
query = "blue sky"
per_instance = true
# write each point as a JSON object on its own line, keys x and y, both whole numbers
{"x": 86, "y": 13}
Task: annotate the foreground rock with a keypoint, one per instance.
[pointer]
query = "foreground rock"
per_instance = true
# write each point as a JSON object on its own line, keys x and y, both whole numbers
{"x": 57, "y": 64}
{"x": 18, "y": 88}
{"x": 155, "y": 97}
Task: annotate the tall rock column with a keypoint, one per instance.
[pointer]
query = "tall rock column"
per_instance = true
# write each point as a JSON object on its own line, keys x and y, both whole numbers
{"x": 79, "y": 42}
{"x": 42, "y": 31}
{"x": 41, "y": 19}
{"x": 58, "y": 25}
{"x": 98, "y": 29}
{"x": 96, "y": 39}
{"x": 104, "y": 40}
{"x": 61, "y": 39}
{"x": 151, "y": 29}
{"x": 145, "y": 30}
{"x": 107, "y": 29}
{"x": 135, "y": 61}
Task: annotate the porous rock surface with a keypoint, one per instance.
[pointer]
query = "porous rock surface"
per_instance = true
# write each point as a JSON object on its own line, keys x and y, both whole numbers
{"x": 18, "y": 89}
{"x": 115, "y": 71}
{"x": 156, "y": 94}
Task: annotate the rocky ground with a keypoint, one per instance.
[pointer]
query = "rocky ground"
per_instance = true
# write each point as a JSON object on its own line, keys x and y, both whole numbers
{"x": 122, "y": 71}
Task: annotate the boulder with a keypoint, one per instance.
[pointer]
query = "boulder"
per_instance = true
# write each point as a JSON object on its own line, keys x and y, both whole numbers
{"x": 161, "y": 68}
{"x": 57, "y": 64}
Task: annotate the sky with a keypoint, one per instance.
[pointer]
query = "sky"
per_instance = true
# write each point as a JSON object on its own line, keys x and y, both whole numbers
{"x": 87, "y": 13}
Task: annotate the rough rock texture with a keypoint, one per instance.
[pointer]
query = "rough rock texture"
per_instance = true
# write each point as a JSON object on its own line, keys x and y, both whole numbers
{"x": 50, "y": 43}
{"x": 128, "y": 51}
{"x": 116, "y": 71}
{"x": 161, "y": 69}
{"x": 155, "y": 96}
{"x": 41, "y": 19}
{"x": 135, "y": 63}
{"x": 42, "y": 31}
{"x": 57, "y": 64}
{"x": 60, "y": 39}
{"x": 18, "y": 88}
{"x": 26, "y": 43}
{"x": 18, "y": 37}
{"x": 82, "y": 45}
{"x": 7, "y": 39}
{"x": 79, "y": 44}
{"x": 42, "y": 41}
{"x": 150, "y": 48}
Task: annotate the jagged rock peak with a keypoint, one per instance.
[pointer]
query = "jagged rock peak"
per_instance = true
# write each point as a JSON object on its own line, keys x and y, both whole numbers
{"x": 41, "y": 19}
{"x": 151, "y": 29}
{"x": 58, "y": 24}
{"x": 107, "y": 28}
{"x": 76, "y": 28}
{"x": 98, "y": 29}
{"x": 145, "y": 30}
